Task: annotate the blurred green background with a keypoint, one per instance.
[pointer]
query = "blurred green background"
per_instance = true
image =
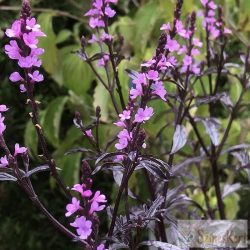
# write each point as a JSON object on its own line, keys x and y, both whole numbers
{"x": 69, "y": 86}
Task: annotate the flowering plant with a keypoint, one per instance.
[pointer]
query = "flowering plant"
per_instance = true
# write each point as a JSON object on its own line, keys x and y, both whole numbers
{"x": 170, "y": 78}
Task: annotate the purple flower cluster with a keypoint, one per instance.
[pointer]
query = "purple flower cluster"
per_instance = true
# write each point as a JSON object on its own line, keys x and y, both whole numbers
{"x": 210, "y": 22}
{"x": 86, "y": 207}
{"x": 24, "y": 49}
{"x": 18, "y": 150}
{"x": 98, "y": 18}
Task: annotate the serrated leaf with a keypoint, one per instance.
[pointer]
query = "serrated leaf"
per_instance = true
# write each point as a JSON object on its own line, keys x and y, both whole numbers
{"x": 52, "y": 120}
{"x": 179, "y": 139}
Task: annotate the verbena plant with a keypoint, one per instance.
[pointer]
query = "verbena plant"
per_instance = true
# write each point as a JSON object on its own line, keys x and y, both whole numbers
{"x": 198, "y": 157}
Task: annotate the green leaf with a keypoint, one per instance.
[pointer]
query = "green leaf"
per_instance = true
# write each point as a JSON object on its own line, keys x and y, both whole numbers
{"x": 77, "y": 76}
{"x": 52, "y": 119}
{"x": 63, "y": 36}
{"x": 145, "y": 20}
{"x": 30, "y": 139}
{"x": 101, "y": 98}
{"x": 70, "y": 165}
{"x": 50, "y": 58}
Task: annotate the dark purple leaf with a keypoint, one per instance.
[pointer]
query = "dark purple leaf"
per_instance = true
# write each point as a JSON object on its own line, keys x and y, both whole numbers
{"x": 7, "y": 177}
{"x": 107, "y": 156}
{"x": 78, "y": 150}
{"x": 180, "y": 138}
{"x": 212, "y": 126}
{"x": 38, "y": 169}
{"x": 228, "y": 189}
{"x": 159, "y": 245}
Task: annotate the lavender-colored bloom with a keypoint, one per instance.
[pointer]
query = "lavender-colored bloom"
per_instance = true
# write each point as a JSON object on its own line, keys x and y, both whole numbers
{"x": 187, "y": 60}
{"x": 30, "y": 40}
{"x": 12, "y": 50}
{"x": 3, "y": 108}
{"x": 4, "y": 162}
{"x": 36, "y": 76}
{"x": 109, "y": 12}
{"x": 172, "y": 45}
{"x": 158, "y": 89}
{"x": 197, "y": 42}
{"x": 144, "y": 114}
{"x": 135, "y": 92}
{"x": 95, "y": 202}
{"x": 19, "y": 150}
{"x": 32, "y": 25}
{"x": 153, "y": 75}
{"x": 165, "y": 26}
{"x": 83, "y": 226}
{"x": 72, "y": 207}
{"x": 101, "y": 247}
{"x": 15, "y": 29}
{"x": 15, "y": 77}
{"x": 89, "y": 133}
{"x": 29, "y": 62}
{"x": 125, "y": 115}
{"x": 82, "y": 190}
{"x": 123, "y": 143}
{"x": 2, "y": 125}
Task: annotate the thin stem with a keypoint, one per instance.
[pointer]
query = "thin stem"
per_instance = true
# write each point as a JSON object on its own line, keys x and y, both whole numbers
{"x": 41, "y": 138}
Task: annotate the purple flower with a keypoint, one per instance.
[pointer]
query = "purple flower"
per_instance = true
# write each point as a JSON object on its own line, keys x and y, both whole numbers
{"x": 4, "y": 162}
{"x": 197, "y": 42}
{"x": 12, "y": 50}
{"x": 125, "y": 115}
{"x": 3, "y": 108}
{"x": 120, "y": 124}
{"x": 98, "y": 198}
{"x": 101, "y": 247}
{"x": 96, "y": 23}
{"x": 36, "y": 76}
{"x": 153, "y": 75}
{"x": 30, "y": 40}
{"x": 89, "y": 133}
{"x": 212, "y": 5}
{"x": 83, "y": 226}
{"x": 15, "y": 30}
{"x": 172, "y": 45}
{"x": 32, "y": 25}
{"x": 137, "y": 91}
{"x": 187, "y": 60}
{"x": 19, "y": 150}
{"x": 140, "y": 79}
{"x": 195, "y": 52}
{"x": 180, "y": 29}
{"x": 2, "y": 125}
{"x": 82, "y": 190}
{"x": 29, "y": 62}
{"x": 15, "y": 77}
{"x": 149, "y": 63}
{"x": 204, "y": 2}
{"x": 165, "y": 26}
{"x": 109, "y": 12}
{"x": 123, "y": 143}
{"x": 143, "y": 114}
{"x": 159, "y": 90}
{"x": 72, "y": 207}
